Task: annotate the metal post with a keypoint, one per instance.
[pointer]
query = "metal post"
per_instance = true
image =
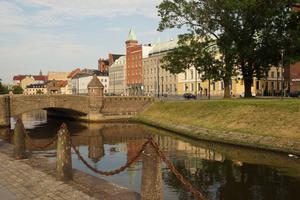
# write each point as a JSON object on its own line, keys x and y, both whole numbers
{"x": 282, "y": 78}
{"x": 162, "y": 86}
{"x": 19, "y": 140}
{"x": 157, "y": 78}
{"x": 64, "y": 160}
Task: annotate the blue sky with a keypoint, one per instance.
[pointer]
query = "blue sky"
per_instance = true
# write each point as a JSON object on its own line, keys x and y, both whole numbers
{"x": 60, "y": 35}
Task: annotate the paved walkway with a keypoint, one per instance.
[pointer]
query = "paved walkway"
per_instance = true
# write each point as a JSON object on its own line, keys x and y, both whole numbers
{"x": 7, "y": 195}
{"x": 18, "y": 180}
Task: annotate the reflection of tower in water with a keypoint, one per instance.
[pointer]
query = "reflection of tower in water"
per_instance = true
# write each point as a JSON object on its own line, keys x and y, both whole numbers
{"x": 133, "y": 146}
{"x": 96, "y": 147}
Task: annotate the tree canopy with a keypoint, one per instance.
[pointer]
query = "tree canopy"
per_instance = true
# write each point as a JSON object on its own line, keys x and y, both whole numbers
{"x": 249, "y": 34}
{"x": 3, "y": 89}
{"x": 16, "y": 89}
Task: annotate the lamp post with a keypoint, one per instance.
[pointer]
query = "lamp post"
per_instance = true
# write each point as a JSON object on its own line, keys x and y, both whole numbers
{"x": 157, "y": 71}
{"x": 282, "y": 78}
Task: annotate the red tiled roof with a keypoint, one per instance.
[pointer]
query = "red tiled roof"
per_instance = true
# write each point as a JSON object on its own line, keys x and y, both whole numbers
{"x": 40, "y": 78}
{"x": 59, "y": 83}
{"x": 73, "y": 73}
{"x": 37, "y": 77}
{"x": 19, "y": 77}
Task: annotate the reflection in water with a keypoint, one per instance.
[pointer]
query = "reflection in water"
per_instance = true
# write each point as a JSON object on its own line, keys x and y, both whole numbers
{"x": 220, "y": 171}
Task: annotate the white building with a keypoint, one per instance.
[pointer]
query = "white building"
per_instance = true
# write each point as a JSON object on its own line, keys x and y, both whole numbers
{"x": 117, "y": 84}
{"x": 81, "y": 80}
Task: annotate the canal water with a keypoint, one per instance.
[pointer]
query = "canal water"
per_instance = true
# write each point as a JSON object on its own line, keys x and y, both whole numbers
{"x": 220, "y": 171}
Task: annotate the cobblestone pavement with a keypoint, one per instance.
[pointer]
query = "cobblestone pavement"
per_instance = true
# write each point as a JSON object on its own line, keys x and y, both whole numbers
{"x": 34, "y": 178}
{"x": 26, "y": 182}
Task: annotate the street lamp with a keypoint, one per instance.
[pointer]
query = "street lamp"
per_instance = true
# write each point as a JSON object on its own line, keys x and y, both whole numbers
{"x": 282, "y": 79}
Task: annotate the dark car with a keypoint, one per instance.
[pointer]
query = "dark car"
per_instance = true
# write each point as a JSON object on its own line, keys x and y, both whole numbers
{"x": 295, "y": 94}
{"x": 189, "y": 96}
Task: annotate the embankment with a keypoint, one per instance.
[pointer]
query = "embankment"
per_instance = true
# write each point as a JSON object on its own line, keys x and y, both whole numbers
{"x": 267, "y": 124}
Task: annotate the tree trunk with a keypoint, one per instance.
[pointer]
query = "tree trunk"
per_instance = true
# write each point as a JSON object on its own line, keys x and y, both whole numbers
{"x": 226, "y": 89}
{"x": 208, "y": 89}
{"x": 247, "y": 85}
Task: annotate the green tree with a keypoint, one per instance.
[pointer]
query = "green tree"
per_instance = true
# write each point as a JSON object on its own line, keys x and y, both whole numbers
{"x": 16, "y": 89}
{"x": 249, "y": 34}
{"x": 3, "y": 89}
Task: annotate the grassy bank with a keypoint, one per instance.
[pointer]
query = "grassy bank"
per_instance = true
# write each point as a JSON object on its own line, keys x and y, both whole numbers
{"x": 246, "y": 122}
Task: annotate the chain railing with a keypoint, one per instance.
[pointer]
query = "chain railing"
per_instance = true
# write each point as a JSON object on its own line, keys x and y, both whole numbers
{"x": 188, "y": 186}
{"x": 52, "y": 141}
{"x": 113, "y": 172}
{"x": 196, "y": 193}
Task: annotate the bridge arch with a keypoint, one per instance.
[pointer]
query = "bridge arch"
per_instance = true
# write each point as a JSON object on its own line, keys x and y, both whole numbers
{"x": 66, "y": 103}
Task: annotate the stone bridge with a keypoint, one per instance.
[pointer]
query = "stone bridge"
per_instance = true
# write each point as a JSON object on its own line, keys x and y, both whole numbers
{"x": 91, "y": 107}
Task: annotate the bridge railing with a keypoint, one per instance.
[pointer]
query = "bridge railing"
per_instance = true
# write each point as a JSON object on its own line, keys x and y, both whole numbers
{"x": 150, "y": 151}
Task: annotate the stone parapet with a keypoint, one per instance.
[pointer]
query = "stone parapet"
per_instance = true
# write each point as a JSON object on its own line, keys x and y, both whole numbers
{"x": 125, "y": 105}
{"x": 4, "y": 111}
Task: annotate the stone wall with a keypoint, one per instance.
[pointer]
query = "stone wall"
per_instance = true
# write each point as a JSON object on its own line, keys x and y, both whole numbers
{"x": 125, "y": 105}
{"x": 93, "y": 108}
{"x": 4, "y": 111}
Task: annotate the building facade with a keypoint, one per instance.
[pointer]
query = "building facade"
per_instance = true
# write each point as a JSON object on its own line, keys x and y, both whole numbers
{"x": 134, "y": 72}
{"x": 117, "y": 83}
{"x": 34, "y": 89}
{"x": 62, "y": 76}
{"x": 156, "y": 80}
{"x": 81, "y": 80}
{"x": 57, "y": 87}
{"x": 295, "y": 78}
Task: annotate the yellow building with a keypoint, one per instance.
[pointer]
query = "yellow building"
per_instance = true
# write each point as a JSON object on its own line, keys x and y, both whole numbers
{"x": 34, "y": 89}
{"x": 28, "y": 80}
{"x": 191, "y": 82}
{"x": 58, "y": 76}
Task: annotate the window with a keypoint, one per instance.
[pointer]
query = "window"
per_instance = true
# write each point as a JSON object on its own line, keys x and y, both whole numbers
{"x": 185, "y": 75}
{"x": 272, "y": 74}
{"x": 185, "y": 87}
{"x": 214, "y": 85}
{"x": 192, "y": 87}
{"x": 192, "y": 74}
{"x": 278, "y": 74}
{"x": 222, "y": 85}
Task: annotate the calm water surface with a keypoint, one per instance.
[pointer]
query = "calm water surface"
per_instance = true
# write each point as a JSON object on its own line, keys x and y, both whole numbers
{"x": 220, "y": 171}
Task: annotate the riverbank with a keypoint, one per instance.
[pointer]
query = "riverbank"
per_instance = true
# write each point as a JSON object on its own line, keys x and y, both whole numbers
{"x": 267, "y": 124}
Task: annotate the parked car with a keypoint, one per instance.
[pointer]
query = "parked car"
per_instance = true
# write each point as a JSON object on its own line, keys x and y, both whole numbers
{"x": 189, "y": 96}
{"x": 295, "y": 94}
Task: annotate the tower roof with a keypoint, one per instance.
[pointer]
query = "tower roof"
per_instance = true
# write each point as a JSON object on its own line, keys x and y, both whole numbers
{"x": 131, "y": 35}
{"x": 95, "y": 82}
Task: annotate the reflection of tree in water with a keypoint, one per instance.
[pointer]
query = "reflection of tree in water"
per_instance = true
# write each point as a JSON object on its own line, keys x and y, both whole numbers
{"x": 230, "y": 181}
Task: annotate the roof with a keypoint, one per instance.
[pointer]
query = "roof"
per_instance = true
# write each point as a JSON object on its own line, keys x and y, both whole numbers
{"x": 89, "y": 72}
{"x": 35, "y": 77}
{"x": 95, "y": 82}
{"x": 131, "y": 35}
{"x": 40, "y": 78}
{"x": 57, "y": 83}
{"x": 73, "y": 73}
{"x": 164, "y": 47}
{"x": 116, "y": 56}
{"x": 36, "y": 85}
